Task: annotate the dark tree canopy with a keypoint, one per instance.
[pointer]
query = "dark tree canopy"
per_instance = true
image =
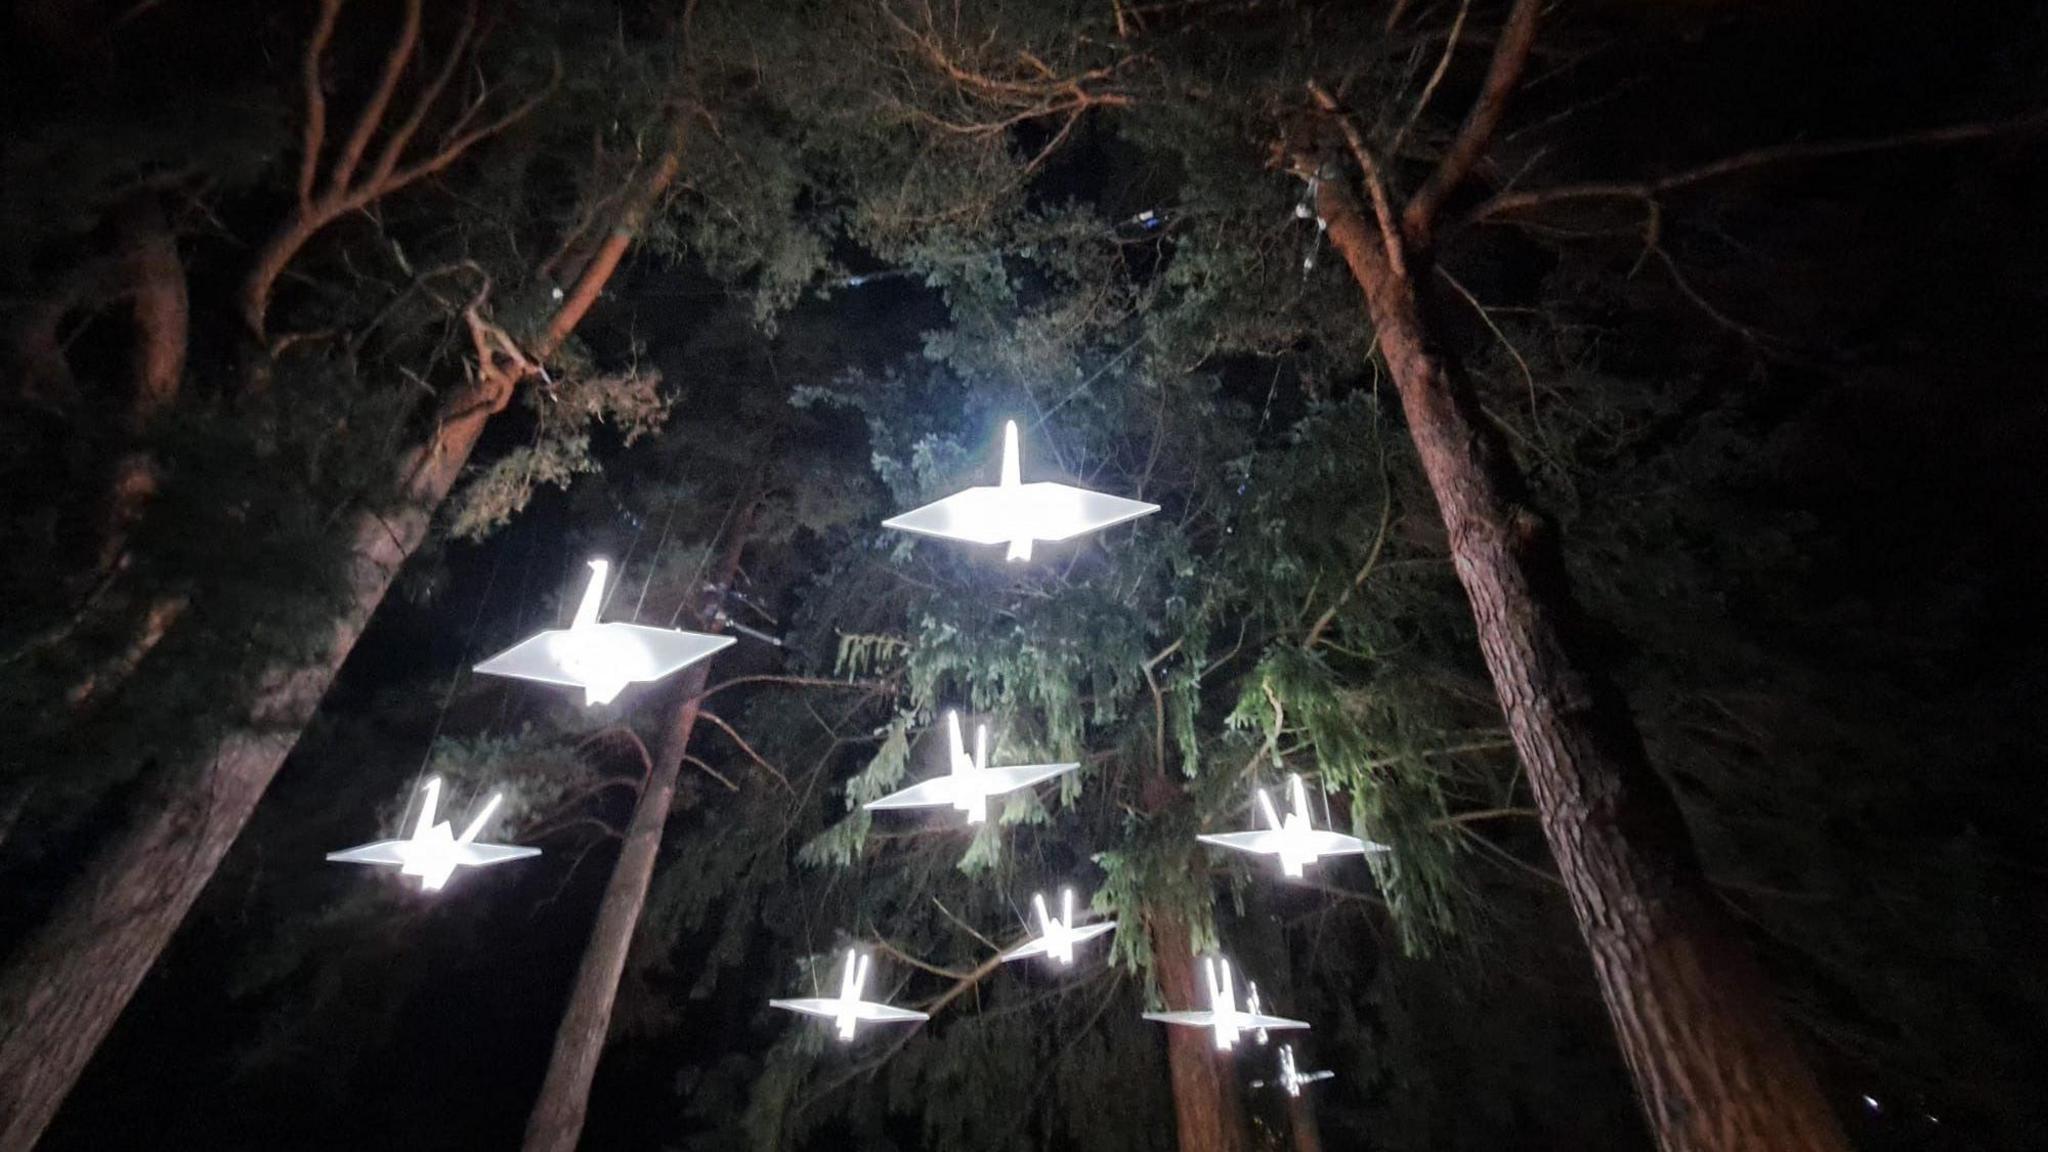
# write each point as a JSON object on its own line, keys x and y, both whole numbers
{"x": 1748, "y": 297}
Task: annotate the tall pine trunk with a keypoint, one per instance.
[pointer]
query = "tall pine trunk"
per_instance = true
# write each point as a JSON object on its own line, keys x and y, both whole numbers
{"x": 1714, "y": 1066}
{"x": 65, "y": 985}
{"x": 556, "y": 1123}
{"x": 1207, "y": 1110}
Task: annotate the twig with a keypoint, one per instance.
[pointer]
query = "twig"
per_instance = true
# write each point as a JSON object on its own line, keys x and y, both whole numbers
{"x": 1372, "y": 559}
{"x": 1376, "y": 188}
{"x": 1755, "y": 158}
{"x": 718, "y": 722}
{"x": 1443, "y": 65}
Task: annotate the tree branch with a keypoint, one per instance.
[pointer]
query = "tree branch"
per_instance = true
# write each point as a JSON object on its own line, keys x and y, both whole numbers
{"x": 372, "y": 116}
{"x": 394, "y": 148}
{"x": 1376, "y": 188}
{"x": 1503, "y": 74}
{"x": 719, "y": 723}
{"x": 1753, "y": 159}
{"x": 314, "y": 135}
{"x": 1372, "y": 560}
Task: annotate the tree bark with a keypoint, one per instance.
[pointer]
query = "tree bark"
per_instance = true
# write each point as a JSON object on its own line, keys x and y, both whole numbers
{"x": 64, "y": 987}
{"x": 155, "y": 279}
{"x": 1715, "y": 1068}
{"x": 556, "y": 1123}
{"x": 1207, "y": 1110}
{"x": 1301, "y": 1123}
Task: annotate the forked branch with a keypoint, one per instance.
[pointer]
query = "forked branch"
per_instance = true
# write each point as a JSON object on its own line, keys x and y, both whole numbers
{"x": 398, "y": 164}
{"x": 1475, "y": 135}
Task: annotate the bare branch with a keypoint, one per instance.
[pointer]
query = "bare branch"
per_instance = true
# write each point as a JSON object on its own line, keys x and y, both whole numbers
{"x": 719, "y": 723}
{"x": 372, "y": 116}
{"x": 1372, "y": 560}
{"x": 394, "y": 148}
{"x": 1503, "y": 74}
{"x": 1443, "y": 65}
{"x": 314, "y": 135}
{"x": 1376, "y": 188}
{"x": 1756, "y": 158}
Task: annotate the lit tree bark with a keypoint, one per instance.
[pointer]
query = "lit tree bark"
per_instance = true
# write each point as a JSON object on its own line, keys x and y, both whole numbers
{"x": 64, "y": 987}
{"x": 556, "y": 1122}
{"x": 1301, "y": 1123}
{"x": 1206, "y": 1109}
{"x": 1715, "y": 1068}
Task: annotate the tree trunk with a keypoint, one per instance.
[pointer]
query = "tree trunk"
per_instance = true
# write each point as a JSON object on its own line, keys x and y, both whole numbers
{"x": 64, "y": 987}
{"x": 556, "y": 1122}
{"x": 1206, "y": 1108}
{"x": 155, "y": 280}
{"x": 1715, "y": 1068}
{"x": 1301, "y": 1122}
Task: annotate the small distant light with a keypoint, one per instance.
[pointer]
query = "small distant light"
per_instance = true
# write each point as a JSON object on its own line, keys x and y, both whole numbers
{"x": 1302, "y": 211}
{"x": 1873, "y": 1104}
{"x": 1932, "y": 1118}
{"x": 855, "y": 281}
{"x": 557, "y": 292}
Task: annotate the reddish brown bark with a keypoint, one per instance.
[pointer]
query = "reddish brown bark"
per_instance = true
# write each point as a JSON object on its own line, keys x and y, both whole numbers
{"x": 1301, "y": 1123}
{"x": 556, "y": 1122}
{"x": 1207, "y": 1110}
{"x": 350, "y": 186}
{"x": 1715, "y": 1068}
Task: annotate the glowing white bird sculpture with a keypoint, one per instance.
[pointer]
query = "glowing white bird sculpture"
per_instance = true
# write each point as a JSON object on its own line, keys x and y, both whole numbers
{"x": 848, "y": 1010}
{"x": 1295, "y": 840}
{"x": 1057, "y": 935}
{"x": 599, "y": 658}
{"x": 1251, "y": 1005}
{"x": 1290, "y": 1077}
{"x": 1223, "y": 1015}
{"x": 434, "y": 851}
{"x": 1017, "y": 513}
{"x": 969, "y": 782}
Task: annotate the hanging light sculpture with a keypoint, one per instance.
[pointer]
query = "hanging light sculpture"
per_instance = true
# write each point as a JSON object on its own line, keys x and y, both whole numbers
{"x": 1224, "y": 1017}
{"x": 1295, "y": 840}
{"x": 434, "y": 851}
{"x": 847, "y": 1010}
{"x": 1291, "y": 1079}
{"x": 1057, "y": 935}
{"x": 1017, "y": 513}
{"x": 970, "y": 781}
{"x": 599, "y": 658}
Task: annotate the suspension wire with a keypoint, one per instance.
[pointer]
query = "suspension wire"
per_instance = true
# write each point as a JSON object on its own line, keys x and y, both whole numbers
{"x": 470, "y": 644}
{"x": 654, "y": 559}
{"x": 525, "y": 614}
{"x": 704, "y": 560}
{"x": 462, "y": 671}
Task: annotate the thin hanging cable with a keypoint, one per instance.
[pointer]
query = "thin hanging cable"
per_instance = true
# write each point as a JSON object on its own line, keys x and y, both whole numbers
{"x": 705, "y": 559}
{"x": 525, "y": 613}
{"x": 654, "y": 560}
{"x": 619, "y": 580}
{"x": 462, "y": 667}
